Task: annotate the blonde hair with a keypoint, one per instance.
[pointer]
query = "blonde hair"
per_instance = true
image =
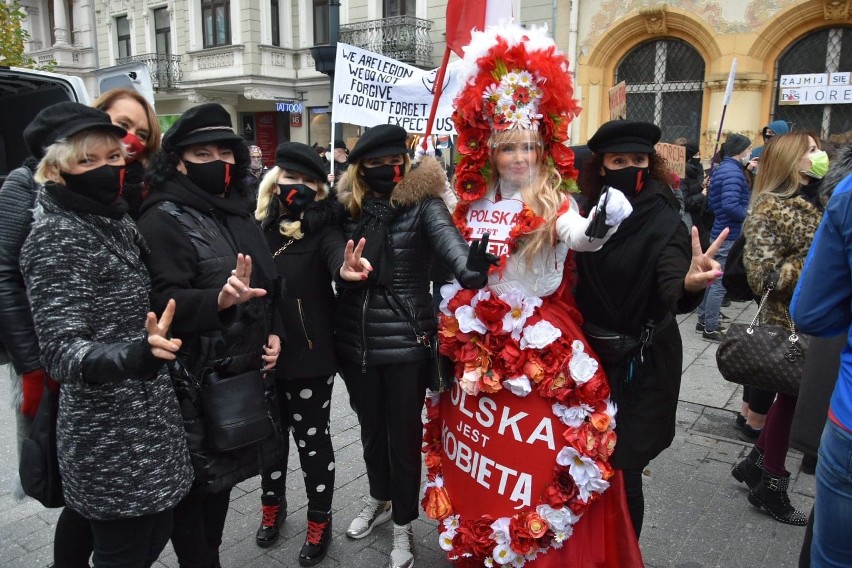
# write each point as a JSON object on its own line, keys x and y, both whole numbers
{"x": 359, "y": 187}
{"x": 779, "y": 165}
{"x": 64, "y": 153}
{"x": 542, "y": 195}
{"x": 265, "y": 193}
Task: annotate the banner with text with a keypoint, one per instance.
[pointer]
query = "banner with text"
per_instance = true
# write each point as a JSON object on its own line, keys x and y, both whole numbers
{"x": 371, "y": 89}
{"x": 816, "y": 89}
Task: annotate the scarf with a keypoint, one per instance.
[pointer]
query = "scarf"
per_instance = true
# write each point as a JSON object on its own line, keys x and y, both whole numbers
{"x": 79, "y": 203}
{"x": 374, "y": 226}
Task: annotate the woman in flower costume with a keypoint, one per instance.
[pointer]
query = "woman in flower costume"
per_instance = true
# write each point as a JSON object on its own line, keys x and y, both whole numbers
{"x": 517, "y": 452}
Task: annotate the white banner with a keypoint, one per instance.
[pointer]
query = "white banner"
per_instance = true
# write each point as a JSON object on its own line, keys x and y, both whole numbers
{"x": 816, "y": 89}
{"x": 371, "y": 89}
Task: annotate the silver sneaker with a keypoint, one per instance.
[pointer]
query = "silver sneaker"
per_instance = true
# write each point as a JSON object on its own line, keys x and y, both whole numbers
{"x": 403, "y": 544}
{"x": 374, "y": 513}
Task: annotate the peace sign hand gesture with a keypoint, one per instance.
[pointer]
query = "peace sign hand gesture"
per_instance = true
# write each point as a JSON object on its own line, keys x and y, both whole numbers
{"x": 158, "y": 334}
{"x": 236, "y": 289}
{"x": 703, "y": 269}
{"x": 355, "y": 268}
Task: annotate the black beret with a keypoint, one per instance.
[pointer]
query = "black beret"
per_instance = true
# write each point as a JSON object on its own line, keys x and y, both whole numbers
{"x": 735, "y": 144}
{"x": 691, "y": 149}
{"x": 301, "y": 158}
{"x": 202, "y": 124}
{"x": 338, "y": 143}
{"x": 382, "y": 140}
{"x": 63, "y": 120}
{"x": 625, "y": 136}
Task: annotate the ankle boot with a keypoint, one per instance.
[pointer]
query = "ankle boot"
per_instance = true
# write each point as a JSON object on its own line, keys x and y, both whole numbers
{"x": 750, "y": 470}
{"x": 771, "y": 495}
{"x": 274, "y": 511}
{"x": 317, "y": 540}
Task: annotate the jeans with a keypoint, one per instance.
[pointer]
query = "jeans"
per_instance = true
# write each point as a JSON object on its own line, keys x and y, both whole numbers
{"x": 711, "y": 305}
{"x": 131, "y": 543}
{"x": 831, "y": 545}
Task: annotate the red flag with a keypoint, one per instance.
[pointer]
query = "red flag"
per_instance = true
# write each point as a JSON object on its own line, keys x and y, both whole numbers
{"x": 463, "y": 16}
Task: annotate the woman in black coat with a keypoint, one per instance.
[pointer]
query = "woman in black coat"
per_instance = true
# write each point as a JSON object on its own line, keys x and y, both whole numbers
{"x": 302, "y": 227}
{"x": 198, "y": 226}
{"x": 647, "y": 272}
{"x": 385, "y": 323}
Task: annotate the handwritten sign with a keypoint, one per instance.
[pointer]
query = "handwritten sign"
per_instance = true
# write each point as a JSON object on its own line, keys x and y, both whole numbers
{"x": 816, "y": 89}
{"x": 618, "y": 102}
{"x": 675, "y": 157}
{"x": 371, "y": 89}
{"x": 494, "y": 219}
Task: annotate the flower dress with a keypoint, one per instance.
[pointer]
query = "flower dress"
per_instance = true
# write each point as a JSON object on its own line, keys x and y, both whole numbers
{"x": 517, "y": 451}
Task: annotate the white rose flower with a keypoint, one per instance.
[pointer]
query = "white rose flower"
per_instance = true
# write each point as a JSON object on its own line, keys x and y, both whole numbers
{"x": 469, "y": 381}
{"x": 468, "y": 322}
{"x": 540, "y": 335}
{"x": 519, "y": 386}
{"x": 448, "y": 292}
{"x": 573, "y": 416}
{"x": 581, "y": 366}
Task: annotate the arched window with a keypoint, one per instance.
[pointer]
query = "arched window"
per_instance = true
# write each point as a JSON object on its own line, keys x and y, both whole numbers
{"x": 828, "y": 50}
{"x": 665, "y": 86}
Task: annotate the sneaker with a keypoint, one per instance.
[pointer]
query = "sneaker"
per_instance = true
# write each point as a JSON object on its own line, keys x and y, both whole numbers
{"x": 274, "y": 511}
{"x": 403, "y": 544}
{"x": 317, "y": 540}
{"x": 374, "y": 513}
{"x": 714, "y": 336}
{"x": 723, "y": 318}
{"x": 699, "y": 327}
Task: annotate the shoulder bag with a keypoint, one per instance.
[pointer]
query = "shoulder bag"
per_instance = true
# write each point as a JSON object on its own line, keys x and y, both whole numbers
{"x": 39, "y": 464}
{"x": 769, "y": 357}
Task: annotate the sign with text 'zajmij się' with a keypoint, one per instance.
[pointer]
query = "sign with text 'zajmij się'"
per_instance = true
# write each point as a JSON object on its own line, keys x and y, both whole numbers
{"x": 816, "y": 89}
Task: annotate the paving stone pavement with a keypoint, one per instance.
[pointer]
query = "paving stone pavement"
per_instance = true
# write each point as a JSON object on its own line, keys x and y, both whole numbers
{"x": 696, "y": 516}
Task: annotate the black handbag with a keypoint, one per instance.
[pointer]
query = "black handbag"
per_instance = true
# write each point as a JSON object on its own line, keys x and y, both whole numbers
{"x": 442, "y": 370}
{"x": 39, "y": 464}
{"x": 769, "y": 357}
{"x": 235, "y": 410}
{"x": 735, "y": 279}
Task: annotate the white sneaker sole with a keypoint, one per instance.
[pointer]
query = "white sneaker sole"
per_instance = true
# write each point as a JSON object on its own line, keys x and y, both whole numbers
{"x": 382, "y": 518}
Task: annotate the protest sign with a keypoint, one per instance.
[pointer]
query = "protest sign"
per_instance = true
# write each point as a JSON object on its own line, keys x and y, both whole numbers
{"x": 371, "y": 89}
{"x": 816, "y": 89}
{"x": 618, "y": 102}
{"x": 675, "y": 157}
{"x": 496, "y": 219}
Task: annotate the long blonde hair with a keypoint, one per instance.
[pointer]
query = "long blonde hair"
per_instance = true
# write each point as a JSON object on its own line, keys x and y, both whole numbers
{"x": 779, "y": 165}
{"x": 265, "y": 193}
{"x": 359, "y": 187}
{"x": 542, "y": 195}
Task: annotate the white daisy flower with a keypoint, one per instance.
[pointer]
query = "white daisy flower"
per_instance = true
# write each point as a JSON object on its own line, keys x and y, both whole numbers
{"x": 503, "y": 554}
{"x": 521, "y": 307}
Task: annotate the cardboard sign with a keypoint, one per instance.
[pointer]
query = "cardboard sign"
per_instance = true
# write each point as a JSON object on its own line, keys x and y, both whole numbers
{"x": 496, "y": 220}
{"x": 675, "y": 157}
{"x": 618, "y": 102}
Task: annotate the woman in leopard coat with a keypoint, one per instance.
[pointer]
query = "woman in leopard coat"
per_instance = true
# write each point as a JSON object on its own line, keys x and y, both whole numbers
{"x": 784, "y": 214}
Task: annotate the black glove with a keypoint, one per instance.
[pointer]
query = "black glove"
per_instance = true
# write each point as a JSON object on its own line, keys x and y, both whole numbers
{"x": 479, "y": 259}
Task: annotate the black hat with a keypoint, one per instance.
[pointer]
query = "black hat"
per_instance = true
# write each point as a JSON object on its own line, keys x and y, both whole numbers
{"x": 63, "y": 120}
{"x": 382, "y": 140}
{"x": 735, "y": 144}
{"x": 203, "y": 124}
{"x": 625, "y": 136}
{"x": 301, "y": 158}
{"x": 340, "y": 144}
{"x": 691, "y": 149}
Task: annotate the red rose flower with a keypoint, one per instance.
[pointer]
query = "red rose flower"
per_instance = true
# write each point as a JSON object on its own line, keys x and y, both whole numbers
{"x": 559, "y": 387}
{"x": 462, "y": 298}
{"x": 432, "y": 460}
{"x": 595, "y": 389}
{"x": 474, "y": 537}
{"x": 606, "y": 444}
{"x": 490, "y": 312}
{"x": 511, "y": 358}
{"x": 521, "y": 95}
{"x": 562, "y": 489}
{"x": 600, "y": 421}
{"x": 521, "y": 540}
{"x": 582, "y": 439}
{"x": 536, "y": 525}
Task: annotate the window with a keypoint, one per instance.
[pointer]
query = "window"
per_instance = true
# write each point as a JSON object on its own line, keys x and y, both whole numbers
{"x": 122, "y": 27}
{"x": 321, "y": 22}
{"x": 276, "y": 32}
{"x": 216, "y": 22}
{"x": 162, "y": 31}
{"x": 665, "y": 86}
{"x": 400, "y": 8}
{"x": 828, "y": 50}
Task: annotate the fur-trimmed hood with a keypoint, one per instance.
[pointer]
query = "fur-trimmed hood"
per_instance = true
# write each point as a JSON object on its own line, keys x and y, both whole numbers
{"x": 841, "y": 166}
{"x": 425, "y": 180}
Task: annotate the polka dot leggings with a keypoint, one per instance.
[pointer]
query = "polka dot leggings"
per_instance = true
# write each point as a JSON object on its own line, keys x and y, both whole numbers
{"x": 305, "y": 405}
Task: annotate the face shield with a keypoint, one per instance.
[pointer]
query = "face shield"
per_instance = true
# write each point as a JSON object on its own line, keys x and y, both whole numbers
{"x": 516, "y": 162}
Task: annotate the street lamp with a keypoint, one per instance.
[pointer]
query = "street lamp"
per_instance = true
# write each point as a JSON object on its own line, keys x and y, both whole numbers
{"x": 325, "y": 56}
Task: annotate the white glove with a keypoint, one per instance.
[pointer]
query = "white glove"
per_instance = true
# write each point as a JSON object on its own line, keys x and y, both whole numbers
{"x": 618, "y": 208}
{"x": 419, "y": 152}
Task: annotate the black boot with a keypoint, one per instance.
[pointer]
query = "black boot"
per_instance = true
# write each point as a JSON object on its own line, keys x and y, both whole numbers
{"x": 274, "y": 512}
{"x": 750, "y": 470}
{"x": 317, "y": 540}
{"x": 771, "y": 495}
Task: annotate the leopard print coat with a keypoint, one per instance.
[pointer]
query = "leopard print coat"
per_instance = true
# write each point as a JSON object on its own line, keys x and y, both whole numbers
{"x": 779, "y": 231}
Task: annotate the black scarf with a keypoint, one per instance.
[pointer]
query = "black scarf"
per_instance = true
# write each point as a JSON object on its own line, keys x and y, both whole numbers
{"x": 810, "y": 192}
{"x": 79, "y": 203}
{"x": 374, "y": 226}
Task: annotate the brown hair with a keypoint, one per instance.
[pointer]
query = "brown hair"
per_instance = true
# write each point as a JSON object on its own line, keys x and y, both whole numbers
{"x": 779, "y": 164}
{"x": 107, "y": 99}
{"x": 592, "y": 182}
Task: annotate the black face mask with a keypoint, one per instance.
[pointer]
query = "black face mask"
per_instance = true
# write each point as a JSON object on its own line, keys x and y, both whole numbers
{"x": 629, "y": 180}
{"x": 383, "y": 179}
{"x": 294, "y": 197}
{"x": 211, "y": 177}
{"x": 103, "y": 184}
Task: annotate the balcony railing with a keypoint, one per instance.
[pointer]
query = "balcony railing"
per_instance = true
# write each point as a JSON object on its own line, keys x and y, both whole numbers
{"x": 404, "y": 38}
{"x": 164, "y": 68}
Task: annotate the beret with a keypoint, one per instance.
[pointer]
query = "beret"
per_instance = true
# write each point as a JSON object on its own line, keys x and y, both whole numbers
{"x": 625, "y": 136}
{"x": 298, "y": 157}
{"x": 382, "y": 140}
{"x": 202, "y": 124}
{"x": 63, "y": 120}
{"x": 338, "y": 143}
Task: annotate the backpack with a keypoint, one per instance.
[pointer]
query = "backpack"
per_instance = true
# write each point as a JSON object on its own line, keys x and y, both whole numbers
{"x": 735, "y": 280}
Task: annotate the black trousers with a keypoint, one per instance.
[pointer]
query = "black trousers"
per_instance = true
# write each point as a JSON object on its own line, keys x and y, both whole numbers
{"x": 758, "y": 400}
{"x": 635, "y": 498}
{"x": 72, "y": 540}
{"x": 305, "y": 407}
{"x": 388, "y": 400}
{"x": 130, "y": 543}
{"x": 199, "y": 520}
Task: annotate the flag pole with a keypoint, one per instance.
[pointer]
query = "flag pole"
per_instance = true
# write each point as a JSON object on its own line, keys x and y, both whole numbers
{"x": 436, "y": 89}
{"x": 729, "y": 88}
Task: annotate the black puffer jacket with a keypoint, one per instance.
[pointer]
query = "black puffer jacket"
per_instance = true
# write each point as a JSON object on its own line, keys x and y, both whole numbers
{"x": 372, "y": 328}
{"x": 17, "y": 333}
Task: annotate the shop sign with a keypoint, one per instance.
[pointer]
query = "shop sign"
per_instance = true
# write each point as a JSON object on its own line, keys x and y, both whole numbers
{"x": 288, "y": 106}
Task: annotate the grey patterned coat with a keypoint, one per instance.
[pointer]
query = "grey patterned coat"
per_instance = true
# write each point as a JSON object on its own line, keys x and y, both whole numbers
{"x": 120, "y": 437}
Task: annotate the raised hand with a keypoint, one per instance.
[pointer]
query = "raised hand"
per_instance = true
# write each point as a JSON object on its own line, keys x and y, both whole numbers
{"x": 618, "y": 208}
{"x": 703, "y": 269}
{"x": 478, "y": 258}
{"x": 158, "y": 334}
{"x": 355, "y": 268}
{"x": 236, "y": 289}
